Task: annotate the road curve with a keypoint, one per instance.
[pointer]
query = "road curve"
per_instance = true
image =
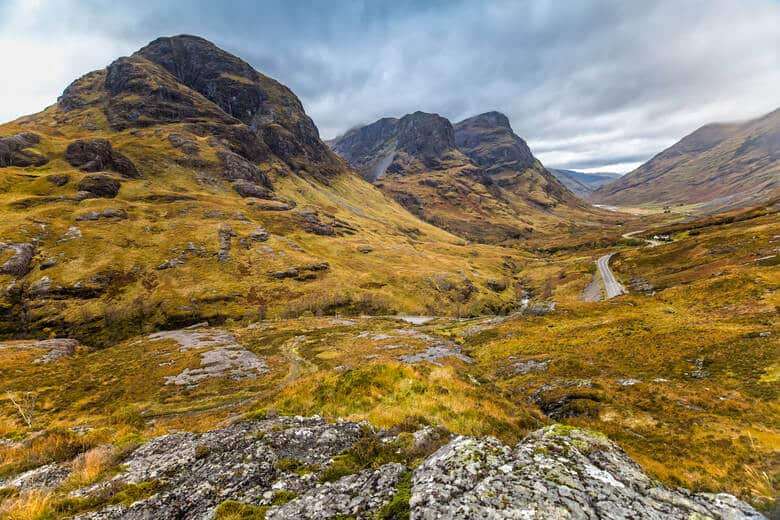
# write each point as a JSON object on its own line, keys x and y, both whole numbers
{"x": 611, "y": 286}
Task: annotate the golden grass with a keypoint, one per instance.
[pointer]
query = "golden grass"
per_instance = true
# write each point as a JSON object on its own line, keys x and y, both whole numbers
{"x": 88, "y": 466}
{"x": 33, "y": 505}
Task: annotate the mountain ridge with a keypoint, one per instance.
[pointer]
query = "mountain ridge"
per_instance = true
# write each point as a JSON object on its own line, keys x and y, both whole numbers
{"x": 719, "y": 166}
{"x": 475, "y": 178}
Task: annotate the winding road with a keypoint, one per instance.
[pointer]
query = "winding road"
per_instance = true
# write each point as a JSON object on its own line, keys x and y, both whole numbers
{"x": 611, "y": 285}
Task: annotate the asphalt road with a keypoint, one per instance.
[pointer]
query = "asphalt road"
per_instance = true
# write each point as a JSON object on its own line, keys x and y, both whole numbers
{"x": 611, "y": 285}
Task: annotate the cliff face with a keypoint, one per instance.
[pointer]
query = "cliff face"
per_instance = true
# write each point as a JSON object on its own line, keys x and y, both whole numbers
{"x": 477, "y": 179}
{"x": 186, "y": 79}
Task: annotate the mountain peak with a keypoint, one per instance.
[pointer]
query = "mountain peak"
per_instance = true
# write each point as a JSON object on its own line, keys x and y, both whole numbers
{"x": 188, "y": 79}
{"x": 487, "y": 119}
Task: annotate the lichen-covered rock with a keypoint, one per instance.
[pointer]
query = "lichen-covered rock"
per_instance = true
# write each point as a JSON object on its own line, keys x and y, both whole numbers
{"x": 277, "y": 463}
{"x": 556, "y": 472}
{"x": 21, "y": 258}
{"x": 196, "y": 472}
{"x": 237, "y": 168}
{"x": 95, "y": 155}
{"x": 226, "y": 234}
{"x": 184, "y": 143}
{"x": 354, "y": 496}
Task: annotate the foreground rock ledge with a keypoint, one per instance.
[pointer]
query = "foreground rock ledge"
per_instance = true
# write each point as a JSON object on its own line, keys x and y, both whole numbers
{"x": 557, "y": 472}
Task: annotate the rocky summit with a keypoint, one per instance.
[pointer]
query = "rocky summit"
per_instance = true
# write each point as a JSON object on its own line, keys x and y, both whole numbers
{"x": 476, "y": 178}
{"x": 306, "y": 468}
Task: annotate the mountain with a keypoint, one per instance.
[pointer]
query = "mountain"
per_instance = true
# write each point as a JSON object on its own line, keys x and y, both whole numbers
{"x": 179, "y": 184}
{"x": 719, "y": 166}
{"x": 583, "y": 184}
{"x": 476, "y": 178}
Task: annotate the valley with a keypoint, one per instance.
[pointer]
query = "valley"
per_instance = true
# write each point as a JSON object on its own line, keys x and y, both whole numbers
{"x": 207, "y": 311}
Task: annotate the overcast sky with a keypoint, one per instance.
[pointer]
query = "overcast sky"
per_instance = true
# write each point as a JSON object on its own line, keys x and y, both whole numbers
{"x": 591, "y": 85}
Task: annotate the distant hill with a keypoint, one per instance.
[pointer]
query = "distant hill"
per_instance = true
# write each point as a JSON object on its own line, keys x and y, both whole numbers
{"x": 583, "y": 184}
{"x": 476, "y": 178}
{"x": 720, "y": 166}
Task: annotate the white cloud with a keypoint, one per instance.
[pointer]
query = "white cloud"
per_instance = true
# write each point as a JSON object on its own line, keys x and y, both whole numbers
{"x": 586, "y": 83}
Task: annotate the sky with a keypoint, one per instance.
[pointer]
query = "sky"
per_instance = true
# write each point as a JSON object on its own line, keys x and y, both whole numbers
{"x": 598, "y": 85}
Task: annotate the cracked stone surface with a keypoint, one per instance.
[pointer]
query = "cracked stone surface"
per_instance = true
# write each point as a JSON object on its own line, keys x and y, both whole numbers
{"x": 354, "y": 496}
{"x": 556, "y": 472}
{"x": 436, "y": 350}
{"x": 56, "y": 348}
{"x": 223, "y": 356}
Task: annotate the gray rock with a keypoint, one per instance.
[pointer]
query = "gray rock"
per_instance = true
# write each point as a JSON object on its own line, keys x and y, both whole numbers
{"x": 237, "y": 168}
{"x": 250, "y": 189}
{"x": 357, "y": 496}
{"x": 95, "y": 155}
{"x": 58, "y": 179}
{"x": 556, "y": 472}
{"x": 19, "y": 263}
{"x": 222, "y": 356}
{"x": 199, "y": 471}
{"x": 529, "y": 366}
{"x": 260, "y": 234}
{"x": 44, "y": 477}
{"x": 183, "y": 143}
{"x": 225, "y": 237}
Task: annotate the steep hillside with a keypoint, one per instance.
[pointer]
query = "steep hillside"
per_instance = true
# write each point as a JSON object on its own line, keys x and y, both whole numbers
{"x": 719, "y": 166}
{"x": 476, "y": 179}
{"x": 179, "y": 184}
{"x": 583, "y": 184}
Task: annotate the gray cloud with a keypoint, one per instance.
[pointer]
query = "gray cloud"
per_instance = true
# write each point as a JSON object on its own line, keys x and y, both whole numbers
{"x": 589, "y": 84}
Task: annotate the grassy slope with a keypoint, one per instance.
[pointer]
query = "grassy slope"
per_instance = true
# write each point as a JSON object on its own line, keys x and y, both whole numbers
{"x": 400, "y": 274}
{"x": 716, "y": 294}
{"x": 727, "y": 165}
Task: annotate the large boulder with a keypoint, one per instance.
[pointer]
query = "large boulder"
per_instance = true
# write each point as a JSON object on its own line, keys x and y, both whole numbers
{"x": 237, "y": 168}
{"x": 250, "y": 189}
{"x": 21, "y": 257}
{"x": 556, "y": 472}
{"x": 99, "y": 186}
{"x": 96, "y": 155}
{"x": 13, "y": 151}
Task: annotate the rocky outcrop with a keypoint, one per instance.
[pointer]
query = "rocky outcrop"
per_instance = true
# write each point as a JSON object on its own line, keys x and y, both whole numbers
{"x": 237, "y": 168}
{"x": 107, "y": 213}
{"x": 293, "y": 467}
{"x": 98, "y": 186}
{"x": 243, "y": 462}
{"x": 14, "y": 151}
{"x": 248, "y": 189}
{"x": 488, "y": 140}
{"x": 410, "y": 144}
{"x": 55, "y": 349}
{"x": 225, "y": 234}
{"x": 557, "y": 472}
{"x": 97, "y": 155}
{"x": 19, "y": 263}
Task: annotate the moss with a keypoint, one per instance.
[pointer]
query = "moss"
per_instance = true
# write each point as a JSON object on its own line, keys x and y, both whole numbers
{"x": 232, "y": 510}
{"x": 398, "y": 506}
{"x": 288, "y": 464}
{"x": 282, "y": 497}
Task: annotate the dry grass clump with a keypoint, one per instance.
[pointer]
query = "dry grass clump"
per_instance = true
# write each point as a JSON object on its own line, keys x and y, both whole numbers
{"x": 33, "y": 505}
